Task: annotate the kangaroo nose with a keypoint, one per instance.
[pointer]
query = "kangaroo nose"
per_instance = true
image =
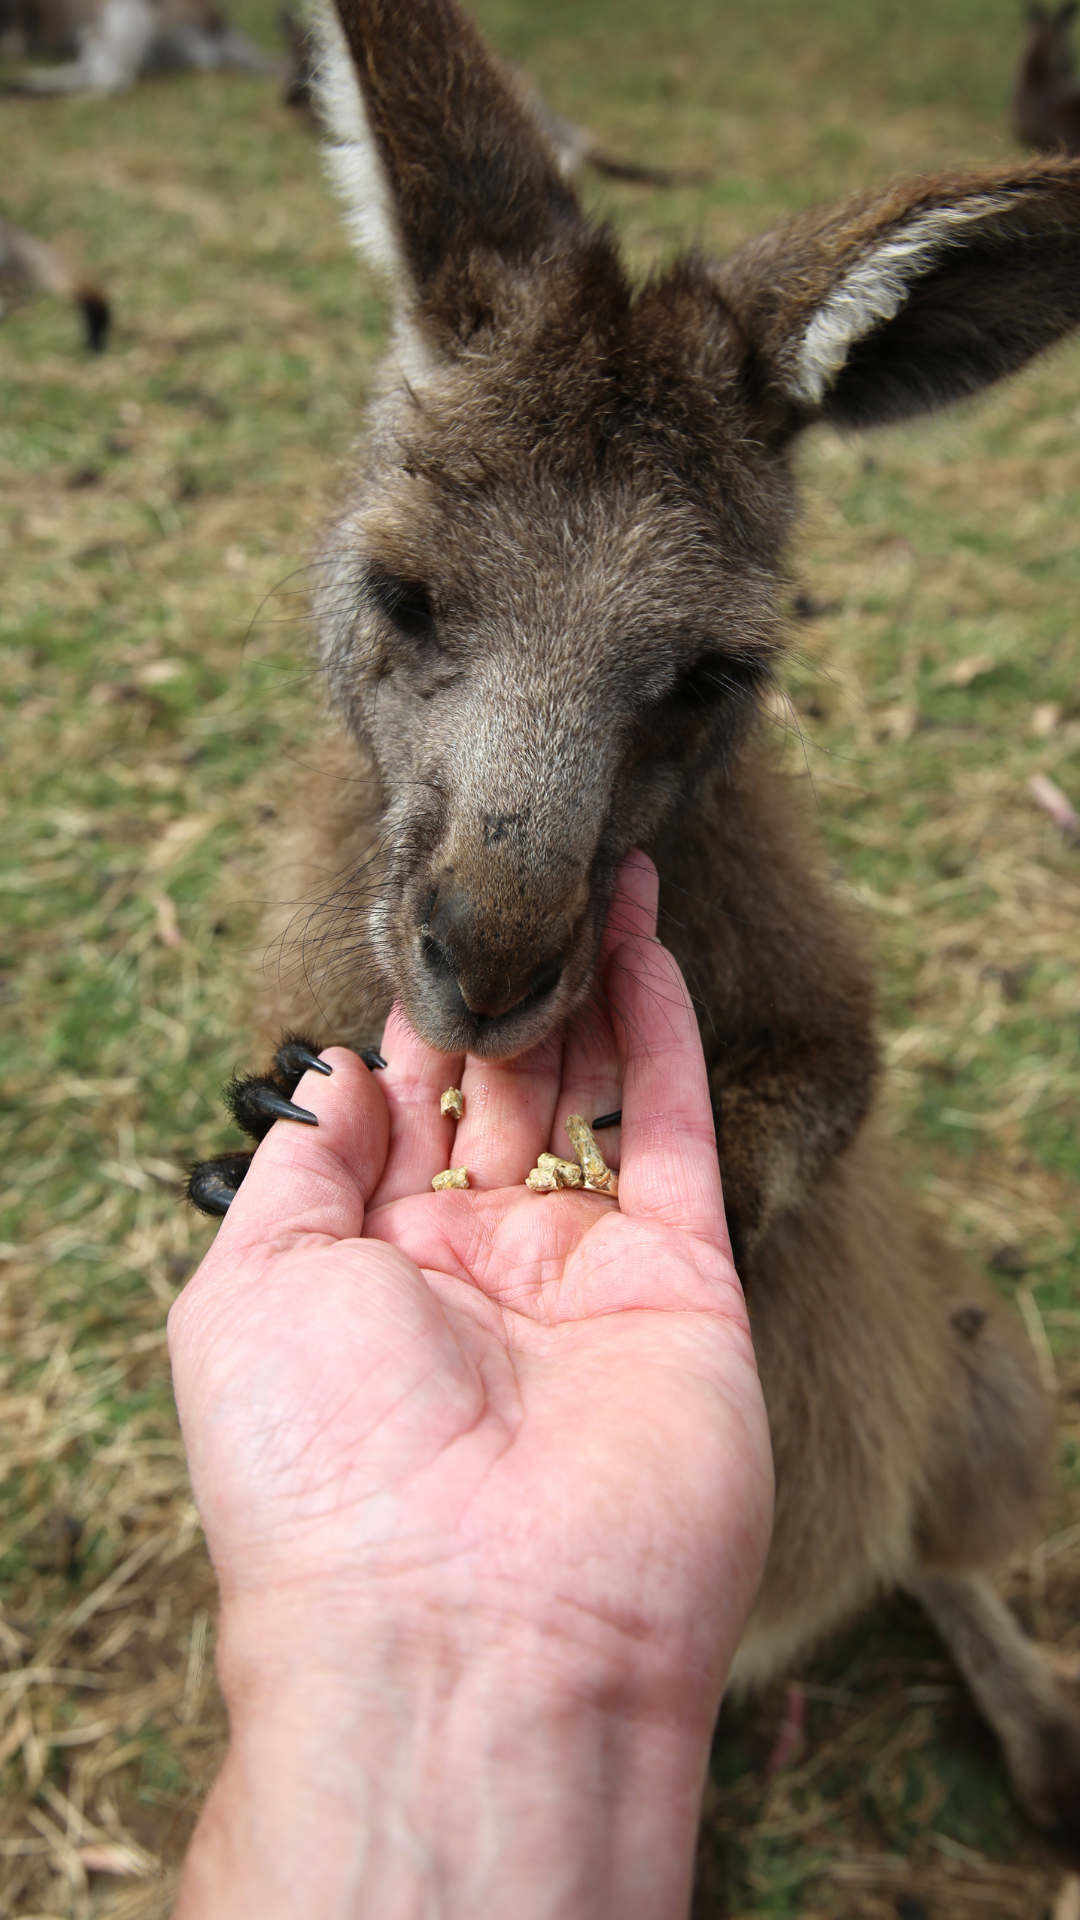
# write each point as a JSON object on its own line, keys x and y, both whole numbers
{"x": 479, "y": 966}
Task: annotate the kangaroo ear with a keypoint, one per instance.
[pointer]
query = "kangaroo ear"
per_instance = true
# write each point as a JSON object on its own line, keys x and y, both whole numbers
{"x": 904, "y": 301}
{"x": 445, "y": 173}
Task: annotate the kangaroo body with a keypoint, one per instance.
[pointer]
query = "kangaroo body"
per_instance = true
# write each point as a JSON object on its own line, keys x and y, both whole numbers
{"x": 105, "y": 46}
{"x": 546, "y": 615}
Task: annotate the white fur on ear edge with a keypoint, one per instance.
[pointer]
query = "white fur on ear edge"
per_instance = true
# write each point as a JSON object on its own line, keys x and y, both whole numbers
{"x": 875, "y": 290}
{"x": 350, "y": 154}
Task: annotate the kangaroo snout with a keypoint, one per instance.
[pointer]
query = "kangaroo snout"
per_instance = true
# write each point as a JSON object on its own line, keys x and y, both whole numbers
{"x": 492, "y": 953}
{"x": 489, "y": 977}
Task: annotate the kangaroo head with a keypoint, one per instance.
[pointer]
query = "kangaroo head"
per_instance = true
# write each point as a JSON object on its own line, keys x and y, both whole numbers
{"x": 553, "y": 599}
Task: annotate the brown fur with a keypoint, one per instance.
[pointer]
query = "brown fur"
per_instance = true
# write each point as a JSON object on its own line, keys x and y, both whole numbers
{"x": 546, "y": 614}
{"x": 1046, "y": 101}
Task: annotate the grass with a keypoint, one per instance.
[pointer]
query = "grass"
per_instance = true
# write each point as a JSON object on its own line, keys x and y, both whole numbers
{"x": 157, "y": 509}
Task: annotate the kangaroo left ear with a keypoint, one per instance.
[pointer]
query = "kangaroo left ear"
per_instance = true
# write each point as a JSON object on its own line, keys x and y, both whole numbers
{"x": 904, "y": 301}
{"x": 449, "y": 183}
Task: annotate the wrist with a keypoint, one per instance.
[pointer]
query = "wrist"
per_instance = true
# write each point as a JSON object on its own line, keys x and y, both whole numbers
{"x": 447, "y": 1766}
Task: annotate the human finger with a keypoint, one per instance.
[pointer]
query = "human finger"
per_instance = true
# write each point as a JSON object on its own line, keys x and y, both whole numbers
{"x": 509, "y": 1107}
{"x": 307, "y": 1180}
{"x": 592, "y": 1066}
{"x": 669, "y": 1169}
{"x": 421, "y": 1138}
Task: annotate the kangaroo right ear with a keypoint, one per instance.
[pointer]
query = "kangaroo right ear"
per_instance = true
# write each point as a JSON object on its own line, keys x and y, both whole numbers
{"x": 445, "y": 174}
{"x": 905, "y": 300}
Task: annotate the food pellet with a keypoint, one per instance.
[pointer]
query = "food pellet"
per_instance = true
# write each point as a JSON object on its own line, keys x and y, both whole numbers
{"x": 453, "y": 1177}
{"x": 551, "y": 1174}
{"x": 565, "y": 1173}
{"x": 452, "y": 1102}
{"x": 599, "y": 1177}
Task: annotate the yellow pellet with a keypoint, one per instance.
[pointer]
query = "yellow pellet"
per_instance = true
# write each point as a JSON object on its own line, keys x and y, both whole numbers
{"x": 599, "y": 1177}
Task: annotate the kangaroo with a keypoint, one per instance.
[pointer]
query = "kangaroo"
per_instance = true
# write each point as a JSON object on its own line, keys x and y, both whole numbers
{"x": 1046, "y": 101}
{"x": 548, "y": 614}
{"x": 28, "y": 264}
{"x": 106, "y": 45}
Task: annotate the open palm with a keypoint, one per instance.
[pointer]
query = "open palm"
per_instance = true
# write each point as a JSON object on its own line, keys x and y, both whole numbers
{"x": 537, "y": 1412}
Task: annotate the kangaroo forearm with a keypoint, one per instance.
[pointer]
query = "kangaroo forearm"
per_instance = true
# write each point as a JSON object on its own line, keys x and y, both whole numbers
{"x": 777, "y": 1128}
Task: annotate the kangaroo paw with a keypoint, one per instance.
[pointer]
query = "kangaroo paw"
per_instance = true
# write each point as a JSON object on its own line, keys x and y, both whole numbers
{"x": 296, "y": 1056}
{"x": 212, "y": 1184}
{"x": 256, "y": 1100}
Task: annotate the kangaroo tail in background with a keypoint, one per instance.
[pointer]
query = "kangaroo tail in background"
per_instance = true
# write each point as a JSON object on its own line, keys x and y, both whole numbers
{"x": 28, "y": 263}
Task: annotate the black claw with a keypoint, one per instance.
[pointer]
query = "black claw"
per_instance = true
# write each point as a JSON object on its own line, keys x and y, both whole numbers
{"x": 255, "y": 1103}
{"x": 212, "y": 1185}
{"x": 608, "y": 1120}
{"x": 267, "y": 1100}
{"x": 295, "y": 1057}
{"x": 372, "y": 1058}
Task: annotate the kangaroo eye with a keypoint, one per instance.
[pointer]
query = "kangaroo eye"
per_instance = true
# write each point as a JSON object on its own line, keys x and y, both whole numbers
{"x": 716, "y": 677}
{"x": 406, "y": 602}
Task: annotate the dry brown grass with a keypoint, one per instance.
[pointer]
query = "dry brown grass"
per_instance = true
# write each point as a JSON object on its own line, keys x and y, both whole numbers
{"x": 123, "y": 1669}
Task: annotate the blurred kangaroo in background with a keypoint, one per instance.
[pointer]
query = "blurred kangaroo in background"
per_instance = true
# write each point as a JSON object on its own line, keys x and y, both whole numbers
{"x": 547, "y": 614}
{"x": 1046, "y": 102}
{"x": 29, "y": 265}
{"x": 104, "y": 46}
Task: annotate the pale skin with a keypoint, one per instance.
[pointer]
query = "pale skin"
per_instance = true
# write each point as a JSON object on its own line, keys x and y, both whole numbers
{"x": 485, "y": 1477}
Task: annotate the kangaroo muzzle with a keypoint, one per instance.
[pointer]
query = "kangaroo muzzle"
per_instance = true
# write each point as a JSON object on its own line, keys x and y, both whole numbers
{"x": 483, "y": 967}
{"x": 498, "y": 936}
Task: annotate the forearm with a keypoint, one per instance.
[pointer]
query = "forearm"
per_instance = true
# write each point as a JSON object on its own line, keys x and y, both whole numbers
{"x": 434, "y": 1781}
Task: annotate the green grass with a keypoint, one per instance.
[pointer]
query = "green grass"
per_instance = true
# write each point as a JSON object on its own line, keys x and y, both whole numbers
{"x": 158, "y": 508}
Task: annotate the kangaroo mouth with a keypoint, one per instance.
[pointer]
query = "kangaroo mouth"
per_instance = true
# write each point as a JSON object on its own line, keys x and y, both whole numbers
{"x": 459, "y": 1010}
{"x": 497, "y": 1036}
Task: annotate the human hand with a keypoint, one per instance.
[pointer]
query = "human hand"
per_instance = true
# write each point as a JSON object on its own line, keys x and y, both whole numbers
{"x": 488, "y": 1433}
